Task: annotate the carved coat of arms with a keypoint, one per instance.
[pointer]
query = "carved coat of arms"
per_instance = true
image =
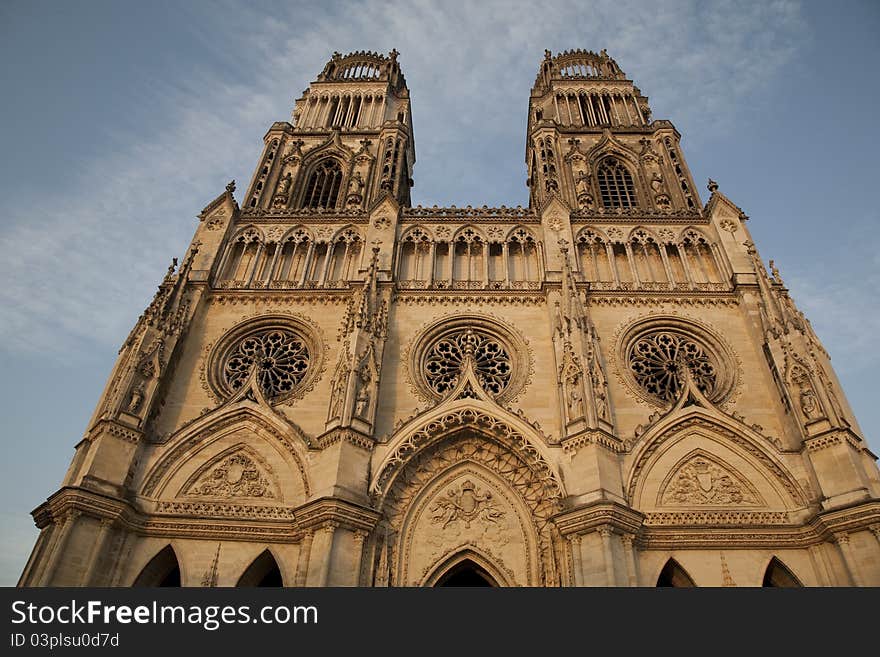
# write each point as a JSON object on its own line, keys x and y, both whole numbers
{"x": 466, "y": 504}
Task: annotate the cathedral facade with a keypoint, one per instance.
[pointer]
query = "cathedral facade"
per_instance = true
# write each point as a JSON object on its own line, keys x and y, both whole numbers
{"x": 336, "y": 388}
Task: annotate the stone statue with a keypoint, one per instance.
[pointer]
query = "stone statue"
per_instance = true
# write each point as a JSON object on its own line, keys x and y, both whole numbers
{"x": 808, "y": 402}
{"x": 137, "y": 397}
{"x": 338, "y": 395}
{"x": 284, "y": 184}
{"x": 362, "y": 402}
{"x": 357, "y": 182}
{"x": 575, "y": 399}
{"x": 601, "y": 403}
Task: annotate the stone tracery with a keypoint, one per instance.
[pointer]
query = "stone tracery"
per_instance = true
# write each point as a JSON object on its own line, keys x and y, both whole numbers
{"x": 656, "y": 360}
{"x": 280, "y": 356}
{"x": 443, "y": 361}
{"x": 501, "y": 358}
{"x": 281, "y": 352}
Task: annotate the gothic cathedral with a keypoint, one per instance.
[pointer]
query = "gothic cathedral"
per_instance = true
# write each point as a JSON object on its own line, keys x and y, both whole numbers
{"x": 336, "y": 388}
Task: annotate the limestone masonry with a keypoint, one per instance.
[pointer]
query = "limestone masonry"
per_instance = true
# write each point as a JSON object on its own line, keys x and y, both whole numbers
{"x": 335, "y": 388}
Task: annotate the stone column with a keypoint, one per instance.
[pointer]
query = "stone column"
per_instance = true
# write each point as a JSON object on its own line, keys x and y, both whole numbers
{"x": 819, "y": 566}
{"x": 57, "y": 549}
{"x": 322, "y": 555}
{"x": 302, "y": 565}
{"x": 607, "y": 554}
{"x": 629, "y": 549}
{"x": 97, "y": 549}
{"x": 359, "y": 537}
{"x": 849, "y": 561}
{"x": 577, "y": 566}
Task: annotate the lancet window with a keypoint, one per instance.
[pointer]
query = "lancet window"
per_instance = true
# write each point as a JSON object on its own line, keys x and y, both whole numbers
{"x": 322, "y": 188}
{"x": 647, "y": 261}
{"x": 347, "y": 110}
{"x": 597, "y": 109}
{"x": 343, "y": 258}
{"x": 616, "y": 184}
{"x": 469, "y": 260}
{"x": 296, "y": 250}
{"x": 242, "y": 257}
{"x": 294, "y": 261}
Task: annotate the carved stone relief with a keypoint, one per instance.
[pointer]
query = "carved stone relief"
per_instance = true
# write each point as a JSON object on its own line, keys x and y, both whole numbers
{"x": 238, "y": 475}
{"x": 461, "y": 510}
{"x": 704, "y": 481}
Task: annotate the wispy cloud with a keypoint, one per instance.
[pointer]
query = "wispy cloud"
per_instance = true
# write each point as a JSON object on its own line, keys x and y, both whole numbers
{"x": 842, "y": 304}
{"x": 79, "y": 266}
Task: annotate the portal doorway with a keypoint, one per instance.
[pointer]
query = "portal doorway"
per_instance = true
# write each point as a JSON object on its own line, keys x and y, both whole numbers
{"x": 466, "y": 573}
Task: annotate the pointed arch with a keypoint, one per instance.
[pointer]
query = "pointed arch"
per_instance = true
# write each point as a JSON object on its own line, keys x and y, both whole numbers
{"x": 593, "y": 254}
{"x": 418, "y": 233}
{"x": 296, "y": 248}
{"x": 674, "y": 575}
{"x": 468, "y": 247}
{"x": 523, "y": 255}
{"x": 323, "y": 184}
{"x": 700, "y": 252}
{"x": 163, "y": 570}
{"x": 474, "y": 414}
{"x": 648, "y": 261}
{"x": 610, "y": 147}
{"x": 466, "y": 573}
{"x": 471, "y": 560}
{"x": 700, "y": 477}
{"x": 221, "y": 427}
{"x": 617, "y": 187}
{"x": 243, "y": 255}
{"x": 689, "y": 426}
{"x": 262, "y": 572}
{"x": 250, "y": 471}
{"x": 777, "y": 574}
{"x": 473, "y": 432}
{"x": 298, "y": 233}
{"x": 414, "y": 262}
{"x": 343, "y": 251}
{"x": 510, "y": 505}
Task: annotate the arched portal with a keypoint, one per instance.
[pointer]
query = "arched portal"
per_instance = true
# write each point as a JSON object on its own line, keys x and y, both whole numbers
{"x": 675, "y": 576}
{"x": 163, "y": 570}
{"x": 466, "y": 573}
{"x": 263, "y": 572}
{"x": 467, "y": 477}
{"x": 777, "y": 575}
{"x": 470, "y": 567}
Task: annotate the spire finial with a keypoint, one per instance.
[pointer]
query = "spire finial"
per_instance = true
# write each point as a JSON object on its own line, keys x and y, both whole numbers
{"x": 231, "y": 186}
{"x": 712, "y": 186}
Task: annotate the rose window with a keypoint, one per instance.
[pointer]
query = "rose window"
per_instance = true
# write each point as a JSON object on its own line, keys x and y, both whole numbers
{"x": 657, "y": 359}
{"x": 280, "y": 356}
{"x": 443, "y": 360}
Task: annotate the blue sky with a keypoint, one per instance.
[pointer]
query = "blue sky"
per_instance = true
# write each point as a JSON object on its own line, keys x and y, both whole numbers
{"x": 121, "y": 120}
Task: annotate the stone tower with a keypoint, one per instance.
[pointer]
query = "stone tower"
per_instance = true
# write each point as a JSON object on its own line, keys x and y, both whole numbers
{"x": 606, "y": 388}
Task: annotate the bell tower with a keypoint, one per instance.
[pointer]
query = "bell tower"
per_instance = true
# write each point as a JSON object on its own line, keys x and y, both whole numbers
{"x": 592, "y": 143}
{"x": 349, "y": 142}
